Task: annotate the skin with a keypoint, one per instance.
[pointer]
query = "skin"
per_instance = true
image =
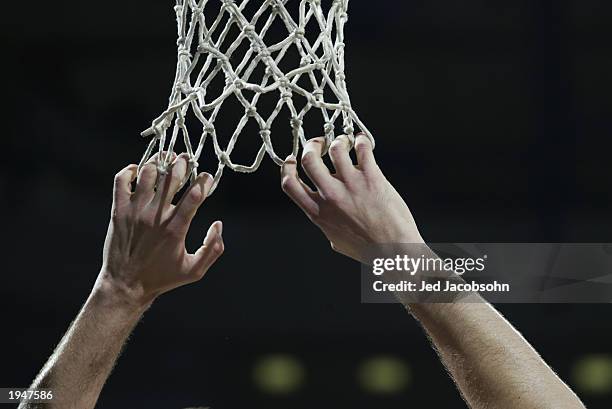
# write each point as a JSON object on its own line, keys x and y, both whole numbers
{"x": 357, "y": 208}
{"x": 144, "y": 257}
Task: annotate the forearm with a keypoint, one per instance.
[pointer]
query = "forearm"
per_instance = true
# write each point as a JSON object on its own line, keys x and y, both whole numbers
{"x": 491, "y": 363}
{"x": 84, "y": 358}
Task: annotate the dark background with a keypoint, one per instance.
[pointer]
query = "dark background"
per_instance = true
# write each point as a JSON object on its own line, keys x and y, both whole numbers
{"x": 494, "y": 130}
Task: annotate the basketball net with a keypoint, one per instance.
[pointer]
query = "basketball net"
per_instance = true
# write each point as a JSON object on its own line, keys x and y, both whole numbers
{"x": 206, "y": 50}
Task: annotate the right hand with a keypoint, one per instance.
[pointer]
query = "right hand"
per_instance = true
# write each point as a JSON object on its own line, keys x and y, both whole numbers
{"x": 356, "y": 207}
{"x": 144, "y": 252}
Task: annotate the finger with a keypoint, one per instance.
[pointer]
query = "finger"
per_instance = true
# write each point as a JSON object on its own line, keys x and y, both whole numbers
{"x": 363, "y": 151}
{"x": 147, "y": 178}
{"x": 339, "y": 154}
{"x": 169, "y": 184}
{"x": 314, "y": 166}
{"x": 122, "y": 190}
{"x": 211, "y": 250}
{"x": 297, "y": 190}
{"x": 192, "y": 200}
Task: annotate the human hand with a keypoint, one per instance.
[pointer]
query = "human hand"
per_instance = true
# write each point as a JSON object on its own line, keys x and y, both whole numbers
{"x": 144, "y": 251}
{"x": 356, "y": 207}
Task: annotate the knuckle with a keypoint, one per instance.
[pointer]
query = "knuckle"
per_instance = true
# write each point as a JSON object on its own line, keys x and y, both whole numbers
{"x": 218, "y": 248}
{"x": 127, "y": 218}
{"x": 119, "y": 177}
{"x": 116, "y": 214}
{"x": 373, "y": 176}
{"x": 318, "y": 140}
{"x": 176, "y": 177}
{"x": 196, "y": 195}
{"x": 182, "y": 157}
{"x": 125, "y": 173}
{"x": 147, "y": 220}
{"x": 336, "y": 148}
{"x": 362, "y": 146}
{"x": 181, "y": 162}
{"x": 199, "y": 274}
{"x": 286, "y": 183}
{"x": 148, "y": 169}
{"x": 308, "y": 158}
{"x": 174, "y": 232}
{"x": 332, "y": 196}
{"x": 316, "y": 218}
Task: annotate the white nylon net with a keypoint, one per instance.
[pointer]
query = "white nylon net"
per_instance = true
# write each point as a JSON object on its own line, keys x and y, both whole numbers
{"x": 206, "y": 46}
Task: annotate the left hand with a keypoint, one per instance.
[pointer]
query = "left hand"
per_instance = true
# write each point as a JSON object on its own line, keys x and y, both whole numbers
{"x": 355, "y": 207}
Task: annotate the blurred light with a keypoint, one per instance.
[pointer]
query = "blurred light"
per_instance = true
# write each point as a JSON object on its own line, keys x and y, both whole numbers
{"x": 278, "y": 374}
{"x": 593, "y": 374}
{"x": 384, "y": 375}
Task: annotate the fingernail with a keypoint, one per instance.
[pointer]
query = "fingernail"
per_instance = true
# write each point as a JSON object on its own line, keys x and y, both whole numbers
{"x": 219, "y": 228}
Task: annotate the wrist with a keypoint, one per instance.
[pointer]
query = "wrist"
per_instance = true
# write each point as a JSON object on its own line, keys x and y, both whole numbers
{"x": 111, "y": 292}
{"x": 408, "y": 236}
{"x": 398, "y": 234}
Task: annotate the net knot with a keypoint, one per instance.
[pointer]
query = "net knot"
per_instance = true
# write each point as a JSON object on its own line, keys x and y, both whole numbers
{"x": 265, "y": 134}
{"x": 345, "y": 106}
{"x": 349, "y": 130}
{"x": 162, "y": 169}
{"x": 203, "y": 46}
{"x": 283, "y": 82}
{"x": 319, "y": 65}
{"x": 305, "y": 61}
{"x": 182, "y": 87}
{"x": 209, "y": 129}
{"x": 274, "y": 5}
{"x": 250, "y": 111}
{"x": 183, "y": 52}
{"x": 299, "y": 33}
{"x": 193, "y": 163}
{"x": 224, "y": 158}
{"x": 296, "y": 123}
{"x": 248, "y": 29}
{"x": 227, "y": 3}
{"x": 340, "y": 76}
{"x": 351, "y": 138}
{"x": 340, "y": 46}
{"x": 286, "y": 95}
{"x": 328, "y": 128}
{"x": 318, "y": 93}
{"x": 239, "y": 84}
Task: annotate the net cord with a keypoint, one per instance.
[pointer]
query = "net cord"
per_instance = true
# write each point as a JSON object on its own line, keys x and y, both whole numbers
{"x": 324, "y": 56}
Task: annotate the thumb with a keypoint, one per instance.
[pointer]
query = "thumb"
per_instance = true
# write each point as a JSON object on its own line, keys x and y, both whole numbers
{"x": 211, "y": 250}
